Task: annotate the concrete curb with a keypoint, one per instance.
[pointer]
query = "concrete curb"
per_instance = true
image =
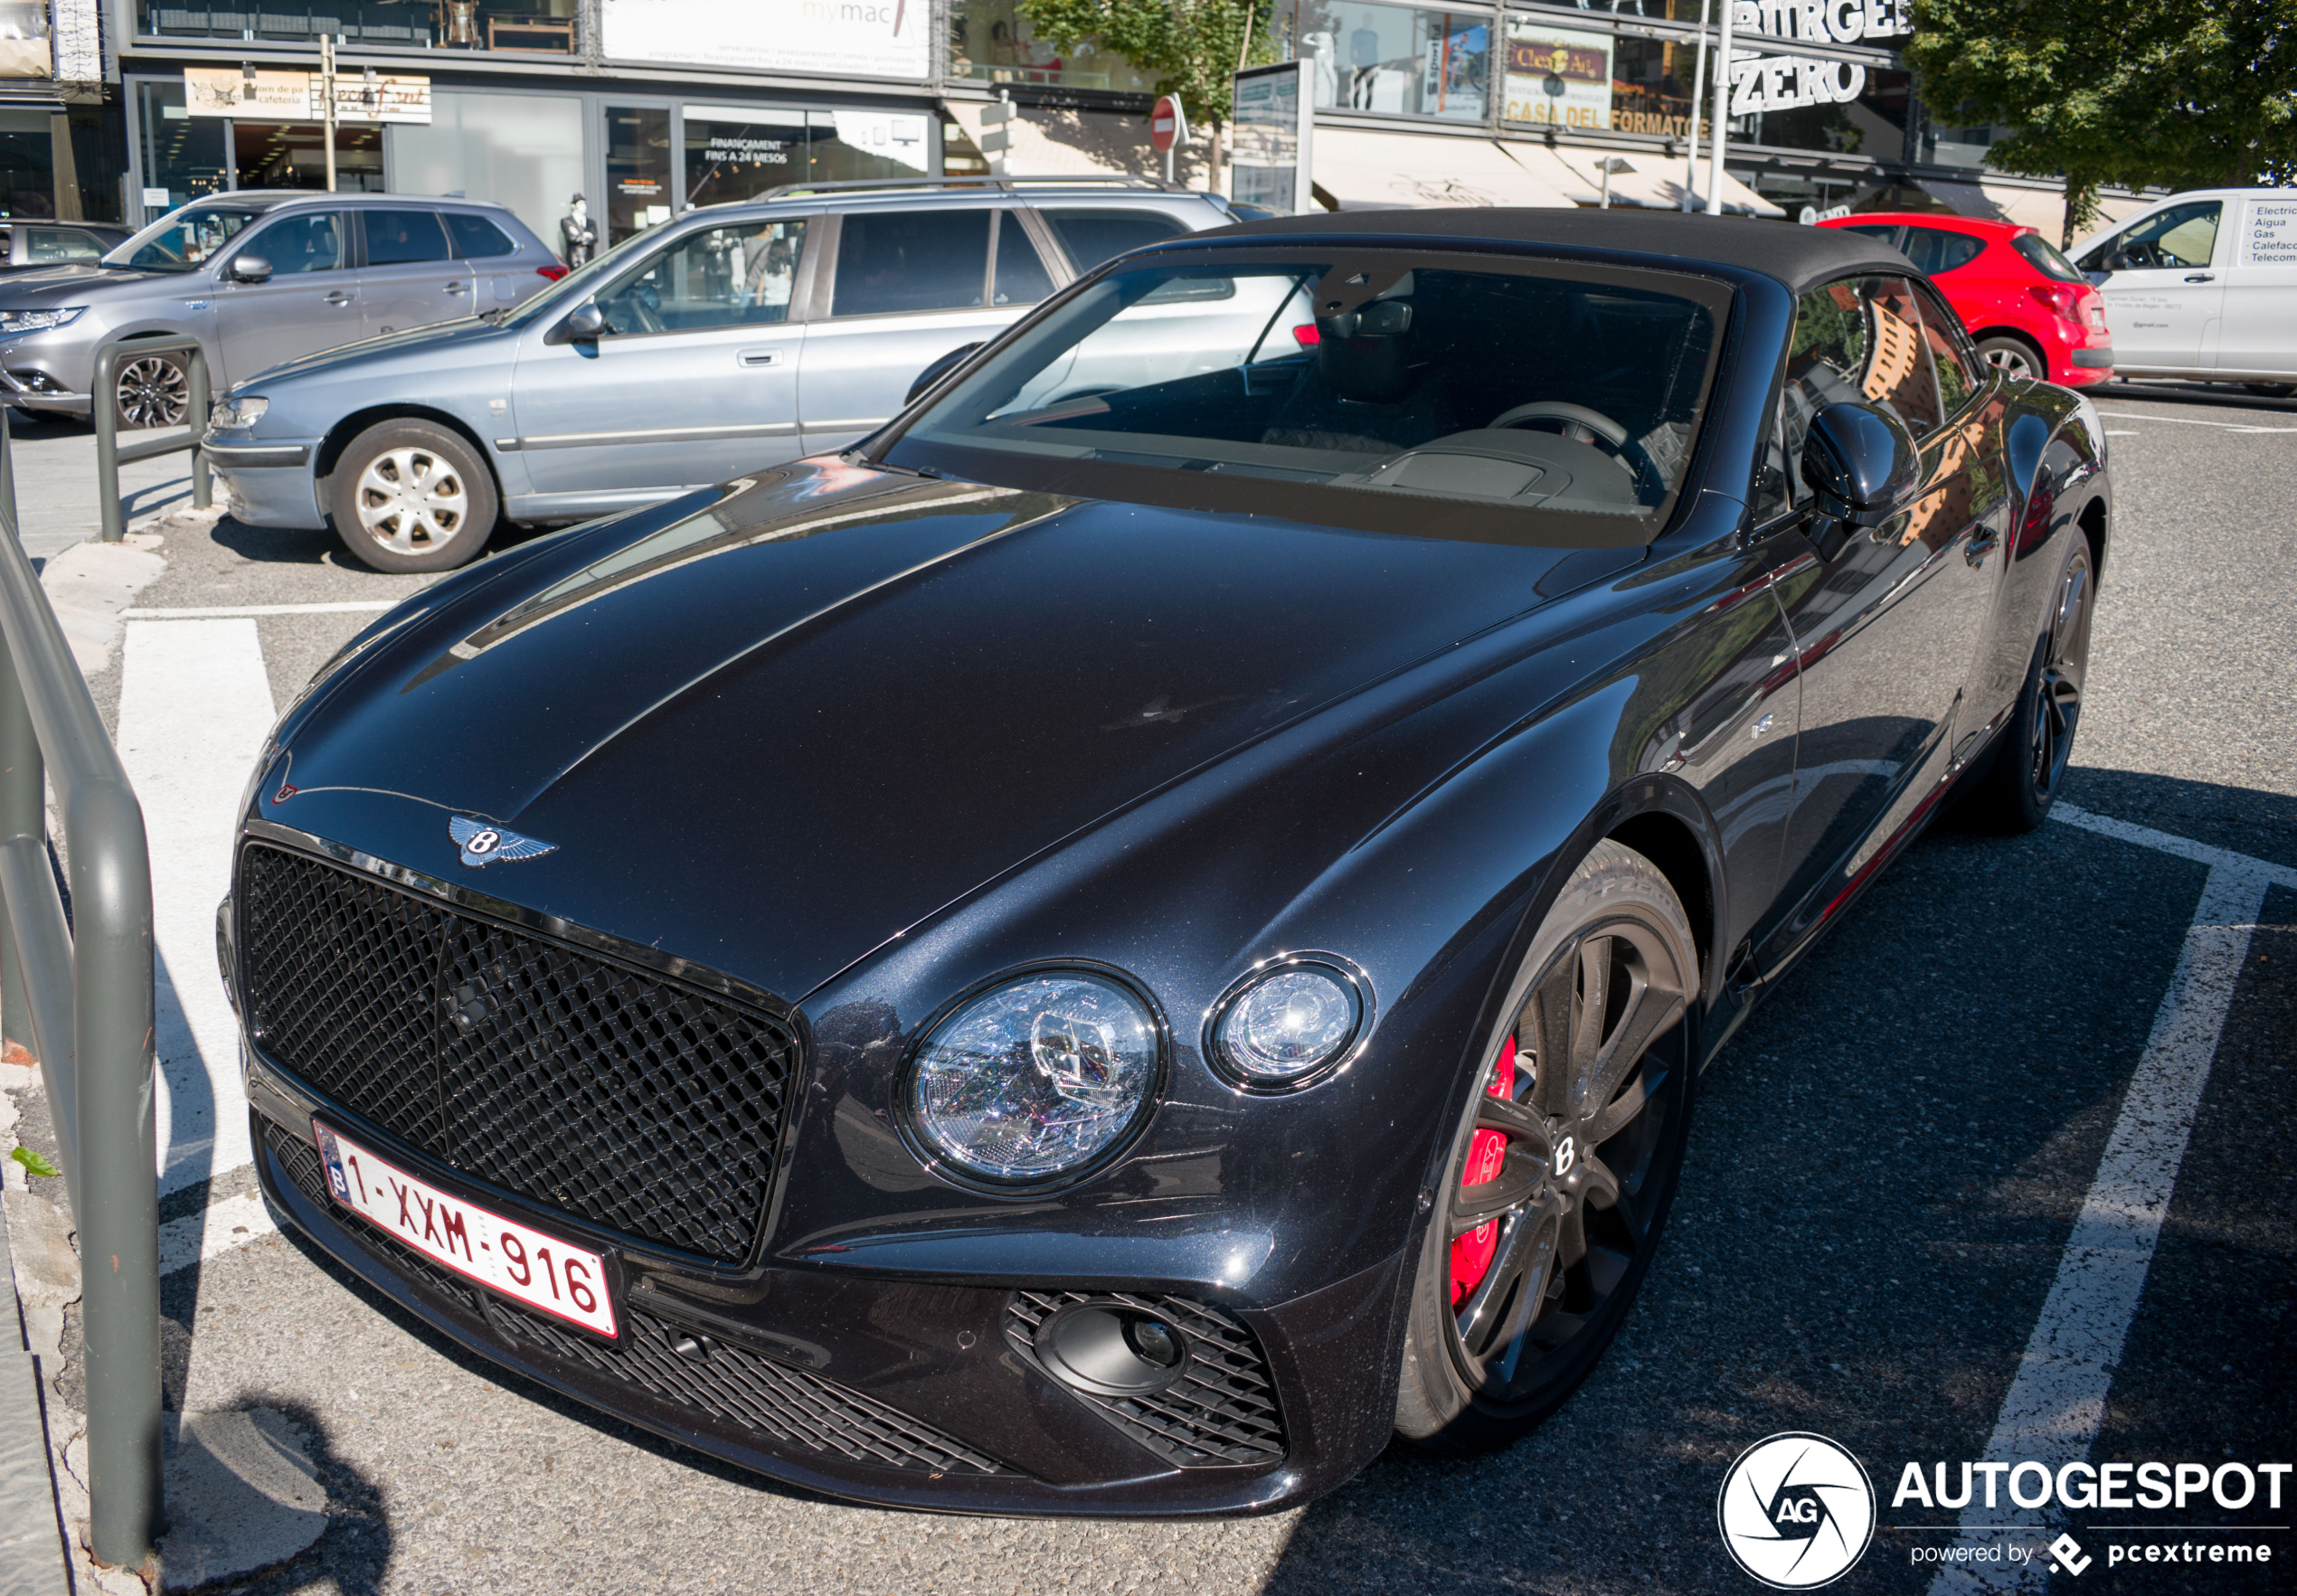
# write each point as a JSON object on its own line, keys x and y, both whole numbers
{"x": 31, "y": 1545}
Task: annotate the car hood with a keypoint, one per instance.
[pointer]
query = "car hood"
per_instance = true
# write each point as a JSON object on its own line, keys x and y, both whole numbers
{"x": 33, "y": 287}
{"x": 425, "y": 344}
{"x": 770, "y": 727}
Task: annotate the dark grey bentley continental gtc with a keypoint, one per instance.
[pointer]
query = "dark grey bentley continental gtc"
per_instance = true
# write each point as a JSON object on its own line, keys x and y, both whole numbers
{"x": 1153, "y": 925}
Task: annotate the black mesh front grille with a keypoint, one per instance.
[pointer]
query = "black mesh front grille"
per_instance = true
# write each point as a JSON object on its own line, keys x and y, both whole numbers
{"x": 629, "y": 1099}
{"x": 1222, "y": 1411}
{"x": 729, "y": 1383}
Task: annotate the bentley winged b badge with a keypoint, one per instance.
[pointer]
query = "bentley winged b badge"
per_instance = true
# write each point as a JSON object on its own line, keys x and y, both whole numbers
{"x": 482, "y": 843}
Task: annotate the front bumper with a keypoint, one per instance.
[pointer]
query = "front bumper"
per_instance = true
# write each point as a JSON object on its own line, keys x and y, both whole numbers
{"x": 884, "y": 1389}
{"x": 270, "y": 483}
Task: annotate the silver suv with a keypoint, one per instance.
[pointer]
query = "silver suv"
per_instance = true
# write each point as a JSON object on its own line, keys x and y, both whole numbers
{"x": 734, "y": 337}
{"x": 257, "y": 277}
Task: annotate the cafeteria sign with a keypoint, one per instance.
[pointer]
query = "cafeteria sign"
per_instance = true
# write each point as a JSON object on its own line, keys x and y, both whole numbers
{"x": 1558, "y": 76}
{"x": 298, "y": 97}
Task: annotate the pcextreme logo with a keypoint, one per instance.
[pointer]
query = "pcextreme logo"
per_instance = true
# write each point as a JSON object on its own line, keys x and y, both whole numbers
{"x": 1796, "y": 1511}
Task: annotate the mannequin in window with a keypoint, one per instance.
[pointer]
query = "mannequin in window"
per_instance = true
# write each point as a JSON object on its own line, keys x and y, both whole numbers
{"x": 577, "y": 234}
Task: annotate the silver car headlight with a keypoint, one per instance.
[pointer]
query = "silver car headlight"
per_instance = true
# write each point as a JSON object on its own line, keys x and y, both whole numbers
{"x": 234, "y": 412}
{"x": 38, "y": 321}
{"x": 1289, "y": 1021}
{"x": 1035, "y": 1079}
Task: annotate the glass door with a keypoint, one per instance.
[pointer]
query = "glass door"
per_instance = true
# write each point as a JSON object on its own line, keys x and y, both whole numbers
{"x": 183, "y": 157}
{"x": 641, "y": 185}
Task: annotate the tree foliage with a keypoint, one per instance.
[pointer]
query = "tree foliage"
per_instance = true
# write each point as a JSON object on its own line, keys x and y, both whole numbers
{"x": 2184, "y": 93}
{"x": 1193, "y": 46}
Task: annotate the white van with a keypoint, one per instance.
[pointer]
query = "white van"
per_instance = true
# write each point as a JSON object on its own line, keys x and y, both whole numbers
{"x": 2203, "y": 285}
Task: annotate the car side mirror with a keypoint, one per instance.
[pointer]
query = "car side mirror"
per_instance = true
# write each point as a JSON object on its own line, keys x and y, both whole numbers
{"x": 1860, "y": 464}
{"x": 251, "y": 269}
{"x": 585, "y": 324}
{"x": 2119, "y": 261}
{"x": 936, "y": 371}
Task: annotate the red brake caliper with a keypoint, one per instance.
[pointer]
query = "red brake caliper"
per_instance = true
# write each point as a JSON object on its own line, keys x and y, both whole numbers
{"x": 1486, "y": 1151}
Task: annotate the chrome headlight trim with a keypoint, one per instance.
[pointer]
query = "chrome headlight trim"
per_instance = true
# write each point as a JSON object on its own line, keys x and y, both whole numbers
{"x": 1343, "y": 970}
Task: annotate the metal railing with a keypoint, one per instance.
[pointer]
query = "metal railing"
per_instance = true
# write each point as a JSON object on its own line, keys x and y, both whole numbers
{"x": 82, "y": 989}
{"x": 103, "y": 402}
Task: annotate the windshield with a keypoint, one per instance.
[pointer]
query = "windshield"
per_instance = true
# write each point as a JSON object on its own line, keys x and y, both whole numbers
{"x": 1376, "y": 388}
{"x": 181, "y": 240}
{"x": 576, "y": 286}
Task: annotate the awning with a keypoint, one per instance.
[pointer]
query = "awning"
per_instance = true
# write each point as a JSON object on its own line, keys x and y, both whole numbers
{"x": 1655, "y": 184}
{"x": 1363, "y": 170}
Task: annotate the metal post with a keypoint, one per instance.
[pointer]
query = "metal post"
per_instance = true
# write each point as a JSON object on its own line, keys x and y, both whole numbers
{"x": 23, "y": 802}
{"x": 91, "y": 986}
{"x": 111, "y": 968}
{"x": 111, "y": 454}
{"x": 1717, "y": 132}
{"x": 1698, "y": 94}
{"x": 327, "y": 90}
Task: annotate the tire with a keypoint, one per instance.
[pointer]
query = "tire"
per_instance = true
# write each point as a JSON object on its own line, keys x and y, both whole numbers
{"x": 410, "y": 495}
{"x": 2271, "y": 389}
{"x": 1525, "y": 1277}
{"x": 2028, "y": 764}
{"x": 2014, "y": 357}
{"x": 152, "y": 390}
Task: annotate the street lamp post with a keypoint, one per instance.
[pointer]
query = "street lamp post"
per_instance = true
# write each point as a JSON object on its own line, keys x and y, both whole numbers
{"x": 1717, "y": 132}
{"x": 1698, "y": 94}
{"x": 326, "y": 99}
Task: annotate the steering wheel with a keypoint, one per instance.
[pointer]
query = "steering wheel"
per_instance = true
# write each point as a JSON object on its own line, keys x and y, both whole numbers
{"x": 1582, "y": 425}
{"x": 1578, "y": 422}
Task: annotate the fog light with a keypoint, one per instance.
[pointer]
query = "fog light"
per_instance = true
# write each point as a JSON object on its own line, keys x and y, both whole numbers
{"x": 1287, "y": 1023}
{"x": 1112, "y": 1350}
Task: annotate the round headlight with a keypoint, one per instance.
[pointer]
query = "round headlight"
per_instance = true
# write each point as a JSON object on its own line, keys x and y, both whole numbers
{"x": 1287, "y": 1023}
{"x": 1036, "y": 1078}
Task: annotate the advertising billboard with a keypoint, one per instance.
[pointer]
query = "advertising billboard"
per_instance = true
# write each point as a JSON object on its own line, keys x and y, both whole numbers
{"x": 1275, "y": 130}
{"x": 859, "y": 38}
{"x": 1558, "y": 76}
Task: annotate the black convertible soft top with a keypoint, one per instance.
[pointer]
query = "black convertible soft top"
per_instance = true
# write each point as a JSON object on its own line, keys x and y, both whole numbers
{"x": 1799, "y": 256}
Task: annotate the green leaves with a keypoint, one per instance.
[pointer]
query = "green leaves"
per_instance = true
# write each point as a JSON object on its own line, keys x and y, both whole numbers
{"x": 36, "y": 1162}
{"x": 1193, "y": 46}
{"x": 2184, "y": 93}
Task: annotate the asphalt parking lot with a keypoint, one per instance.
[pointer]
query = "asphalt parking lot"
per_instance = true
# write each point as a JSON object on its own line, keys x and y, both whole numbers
{"x": 1884, "y": 1168}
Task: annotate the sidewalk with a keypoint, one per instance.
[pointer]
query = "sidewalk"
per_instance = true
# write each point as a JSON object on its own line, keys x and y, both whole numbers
{"x": 55, "y": 465}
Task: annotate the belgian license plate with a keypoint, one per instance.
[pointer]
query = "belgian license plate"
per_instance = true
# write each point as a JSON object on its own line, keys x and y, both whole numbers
{"x": 501, "y": 1254}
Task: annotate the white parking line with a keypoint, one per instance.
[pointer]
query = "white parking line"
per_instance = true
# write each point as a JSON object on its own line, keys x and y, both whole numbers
{"x": 194, "y": 707}
{"x": 236, "y": 611}
{"x": 2191, "y": 421}
{"x": 197, "y": 1237}
{"x": 2055, "y": 1402}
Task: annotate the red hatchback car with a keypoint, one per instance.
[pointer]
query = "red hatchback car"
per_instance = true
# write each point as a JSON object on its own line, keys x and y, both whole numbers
{"x": 2030, "y": 309}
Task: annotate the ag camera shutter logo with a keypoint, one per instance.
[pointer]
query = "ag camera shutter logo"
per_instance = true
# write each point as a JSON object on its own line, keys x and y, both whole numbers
{"x": 1796, "y": 1511}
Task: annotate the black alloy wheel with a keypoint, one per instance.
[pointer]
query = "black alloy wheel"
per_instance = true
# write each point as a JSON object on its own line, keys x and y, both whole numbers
{"x": 1564, "y": 1165}
{"x": 152, "y": 390}
{"x": 2028, "y": 767}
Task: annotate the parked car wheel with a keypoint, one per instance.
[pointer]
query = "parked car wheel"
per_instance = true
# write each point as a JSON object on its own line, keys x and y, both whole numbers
{"x": 2014, "y": 357}
{"x": 2271, "y": 389}
{"x": 1562, "y": 1166}
{"x": 152, "y": 390}
{"x": 410, "y": 495}
{"x": 2029, "y": 759}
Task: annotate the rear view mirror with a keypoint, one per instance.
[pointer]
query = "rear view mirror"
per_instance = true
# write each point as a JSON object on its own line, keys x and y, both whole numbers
{"x": 2119, "y": 261}
{"x": 936, "y": 371}
{"x": 1861, "y": 464}
{"x": 585, "y": 324}
{"x": 251, "y": 269}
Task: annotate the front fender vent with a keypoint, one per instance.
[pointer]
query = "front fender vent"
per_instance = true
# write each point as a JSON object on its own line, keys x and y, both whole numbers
{"x": 1221, "y": 1413}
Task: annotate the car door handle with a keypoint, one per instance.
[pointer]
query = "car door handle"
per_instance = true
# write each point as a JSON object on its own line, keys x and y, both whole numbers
{"x": 459, "y": 287}
{"x": 757, "y": 357}
{"x": 337, "y": 297}
{"x": 2202, "y": 277}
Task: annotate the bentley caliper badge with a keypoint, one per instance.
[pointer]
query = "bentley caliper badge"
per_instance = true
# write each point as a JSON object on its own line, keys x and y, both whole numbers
{"x": 482, "y": 843}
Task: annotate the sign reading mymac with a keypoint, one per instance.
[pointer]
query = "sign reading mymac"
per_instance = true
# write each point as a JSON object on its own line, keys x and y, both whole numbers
{"x": 868, "y": 38}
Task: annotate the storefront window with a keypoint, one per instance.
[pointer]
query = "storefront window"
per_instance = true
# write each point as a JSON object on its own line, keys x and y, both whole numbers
{"x": 637, "y": 170}
{"x": 293, "y": 155}
{"x": 740, "y": 153}
{"x": 526, "y": 27}
{"x": 183, "y": 154}
{"x": 520, "y": 150}
{"x": 1398, "y": 61}
{"x": 990, "y": 42}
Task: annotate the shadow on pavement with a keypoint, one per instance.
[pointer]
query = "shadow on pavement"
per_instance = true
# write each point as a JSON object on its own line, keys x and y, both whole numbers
{"x": 1882, "y": 1169}
{"x": 355, "y": 1549}
{"x": 2220, "y": 395}
{"x": 272, "y": 545}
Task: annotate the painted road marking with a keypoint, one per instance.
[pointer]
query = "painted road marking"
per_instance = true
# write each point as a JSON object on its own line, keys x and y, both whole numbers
{"x": 197, "y": 1237}
{"x": 238, "y": 611}
{"x": 194, "y": 707}
{"x": 2191, "y": 421}
{"x": 2056, "y": 1403}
